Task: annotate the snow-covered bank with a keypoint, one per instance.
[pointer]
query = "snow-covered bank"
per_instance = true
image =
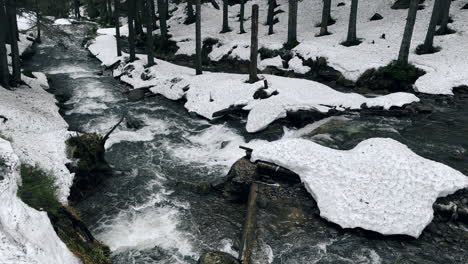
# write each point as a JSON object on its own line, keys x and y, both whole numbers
{"x": 381, "y": 39}
{"x": 26, "y": 235}
{"x": 380, "y": 185}
{"x": 37, "y": 130}
{"x": 212, "y": 92}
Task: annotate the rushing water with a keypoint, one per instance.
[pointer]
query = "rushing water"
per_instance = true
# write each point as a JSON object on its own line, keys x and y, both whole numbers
{"x": 150, "y": 211}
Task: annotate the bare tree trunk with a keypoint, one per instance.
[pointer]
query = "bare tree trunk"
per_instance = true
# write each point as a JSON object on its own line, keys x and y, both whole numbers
{"x": 352, "y": 36}
{"x": 271, "y": 16}
{"x": 198, "y": 38}
{"x": 190, "y": 13}
{"x": 4, "y": 72}
{"x": 162, "y": 22}
{"x": 325, "y": 17}
{"x": 138, "y": 17}
{"x": 241, "y": 17}
{"x": 292, "y": 24}
{"x": 428, "y": 45}
{"x": 15, "y": 56}
{"x": 149, "y": 35}
{"x": 76, "y": 5}
{"x": 408, "y": 34}
{"x": 109, "y": 12}
{"x": 131, "y": 6}
{"x": 38, "y": 23}
{"x": 117, "y": 26}
{"x": 225, "y": 17}
{"x": 153, "y": 15}
{"x": 254, "y": 46}
{"x": 444, "y": 29}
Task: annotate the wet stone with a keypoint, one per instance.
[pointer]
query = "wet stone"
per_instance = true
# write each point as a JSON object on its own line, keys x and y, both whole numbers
{"x": 217, "y": 258}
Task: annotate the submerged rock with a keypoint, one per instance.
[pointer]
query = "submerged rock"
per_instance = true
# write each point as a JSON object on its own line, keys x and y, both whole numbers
{"x": 217, "y": 257}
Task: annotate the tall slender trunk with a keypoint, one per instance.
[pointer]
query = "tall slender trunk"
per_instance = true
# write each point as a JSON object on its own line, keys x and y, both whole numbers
{"x": 271, "y": 16}
{"x": 110, "y": 13}
{"x": 254, "y": 46}
{"x": 38, "y": 22}
{"x": 162, "y": 22}
{"x": 15, "y": 56}
{"x": 241, "y": 17}
{"x": 429, "y": 40}
{"x": 325, "y": 17}
{"x": 198, "y": 48}
{"x": 117, "y": 26}
{"x": 76, "y": 6}
{"x": 444, "y": 29}
{"x": 131, "y": 6}
{"x": 4, "y": 72}
{"x": 149, "y": 35}
{"x": 352, "y": 36}
{"x": 153, "y": 15}
{"x": 138, "y": 18}
{"x": 408, "y": 34}
{"x": 225, "y": 17}
{"x": 292, "y": 24}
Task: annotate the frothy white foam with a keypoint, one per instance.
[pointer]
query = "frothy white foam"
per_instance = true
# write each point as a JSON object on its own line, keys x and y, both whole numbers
{"x": 67, "y": 69}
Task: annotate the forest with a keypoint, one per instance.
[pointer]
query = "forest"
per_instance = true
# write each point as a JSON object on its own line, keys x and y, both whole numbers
{"x": 233, "y": 131}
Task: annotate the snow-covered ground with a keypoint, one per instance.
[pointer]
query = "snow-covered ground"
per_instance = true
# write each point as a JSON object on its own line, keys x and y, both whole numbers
{"x": 26, "y": 235}
{"x": 37, "y": 130}
{"x": 380, "y": 185}
{"x": 212, "y": 92}
{"x": 444, "y": 70}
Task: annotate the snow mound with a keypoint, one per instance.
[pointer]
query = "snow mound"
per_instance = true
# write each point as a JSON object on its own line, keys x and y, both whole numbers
{"x": 105, "y": 49}
{"x": 26, "y": 235}
{"x": 62, "y": 21}
{"x": 37, "y": 129}
{"x": 380, "y": 185}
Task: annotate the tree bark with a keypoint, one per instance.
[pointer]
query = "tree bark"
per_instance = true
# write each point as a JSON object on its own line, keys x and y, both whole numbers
{"x": 225, "y": 17}
{"x": 149, "y": 34}
{"x": 15, "y": 56}
{"x": 325, "y": 17}
{"x": 408, "y": 33}
{"x": 352, "y": 36}
{"x": 76, "y": 5}
{"x": 153, "y": 15}
{"x": 254, "y": 46}
{"x": 4, "y": 72}
{"x": 117, "y": 26}
{"x": 241, "y": 17}
{"x": 248, "y": 233}
{"x": 445, "y": 18}
{"x": 162, "y": 22}
{"x": 292, "y": 24}
{"x": 429, "y": 40}
{"x": 138, "y": 18}
{"x": 190, "y": 13}
{"x": 271, "y": 16}
{"x": 198, "y": 38}
{"x": 38, "y": 22}
{"x": 131, "y": 6}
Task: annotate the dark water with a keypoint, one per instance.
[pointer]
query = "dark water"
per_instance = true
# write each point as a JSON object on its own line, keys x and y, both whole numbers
{"x": 152, "y": 212}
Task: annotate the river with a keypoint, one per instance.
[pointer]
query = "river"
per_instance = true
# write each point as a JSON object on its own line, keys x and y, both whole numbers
{"x": 151, "y": 211}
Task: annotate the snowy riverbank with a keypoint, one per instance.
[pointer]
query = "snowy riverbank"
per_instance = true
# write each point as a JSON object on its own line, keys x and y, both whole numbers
{"x": 213, "y": 92}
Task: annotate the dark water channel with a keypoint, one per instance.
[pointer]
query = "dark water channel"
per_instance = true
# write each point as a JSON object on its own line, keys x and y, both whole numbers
{"x": 152, "y": 211}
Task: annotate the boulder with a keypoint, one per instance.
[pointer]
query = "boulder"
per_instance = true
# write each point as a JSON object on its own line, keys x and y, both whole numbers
{"x": 217, "y": 257}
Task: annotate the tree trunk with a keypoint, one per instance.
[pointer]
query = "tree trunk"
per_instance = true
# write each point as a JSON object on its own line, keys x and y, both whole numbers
{"x": 190, "y": 13}
{"x": 198, "y": 38}
{"x": 325, "y": 17}
{"x": 4, "y": 72}
{"x": 15, "y": 56}
{"x": 117, "y": 26}
{"x": 131, "y": 6}
{"x": 38, "y": 22}
{"x": 429, "y": 40}
{"x": 241, "y": 17}
{"x": 109, "y": 12}
{"x": 408, "y": 34}
{"x": 271, "y": 16}
{"x": 138, "y": 18}
{"x": 292, "y": 24}
{"x": 352, "y": 37}
{"x": 254, "y": 46}
{"x": 149, "y": 35}
{"x": 76, "y": 5}
{"x": 225, "y": 17}
{"x": 153, "y": 15}
{"x": 248, "y": 232}
{"x": 162, "y": 22}
{"x": 445, "y": 18}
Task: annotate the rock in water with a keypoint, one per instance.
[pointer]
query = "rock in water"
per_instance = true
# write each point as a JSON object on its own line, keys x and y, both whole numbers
{"x": 217, "y": 257}
{"x": 380, "y": 185}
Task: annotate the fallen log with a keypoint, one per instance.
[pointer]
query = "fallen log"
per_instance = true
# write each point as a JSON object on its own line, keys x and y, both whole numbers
{"x": 248, "y": 234}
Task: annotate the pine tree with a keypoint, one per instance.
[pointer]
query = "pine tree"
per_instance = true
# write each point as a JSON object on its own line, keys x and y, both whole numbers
{"x": 428, "y": 46}
{"x": 241, "y": 17}
{"x": 271, "y": 16}
{"x": 4, "y": 72}
{"x": 254, "y": 46}
{"x": 149, "y": 34}
{"x": 292, "y": 24}
{"x": 351, "y": 39}
{"x": 131, "y": 6}
{"x": 198, "y": 38}
{"x": 225, "y": 17}
{"x": 163, "y": 22}
{"x": 325, "y": 18}
{"x": 445, "y": 17}
{"x": 15, "y": 56}
{"x": 117, "y": 26}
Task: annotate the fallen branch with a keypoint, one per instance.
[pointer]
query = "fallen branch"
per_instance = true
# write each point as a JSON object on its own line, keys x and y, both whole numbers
{"x": 248, "y": 234}
{"x": 4, "y": 118}
{"x": 106, "y": 137}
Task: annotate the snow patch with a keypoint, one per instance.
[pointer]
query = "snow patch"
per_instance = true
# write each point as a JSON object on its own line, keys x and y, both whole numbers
{"x": 380, "y": 185}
